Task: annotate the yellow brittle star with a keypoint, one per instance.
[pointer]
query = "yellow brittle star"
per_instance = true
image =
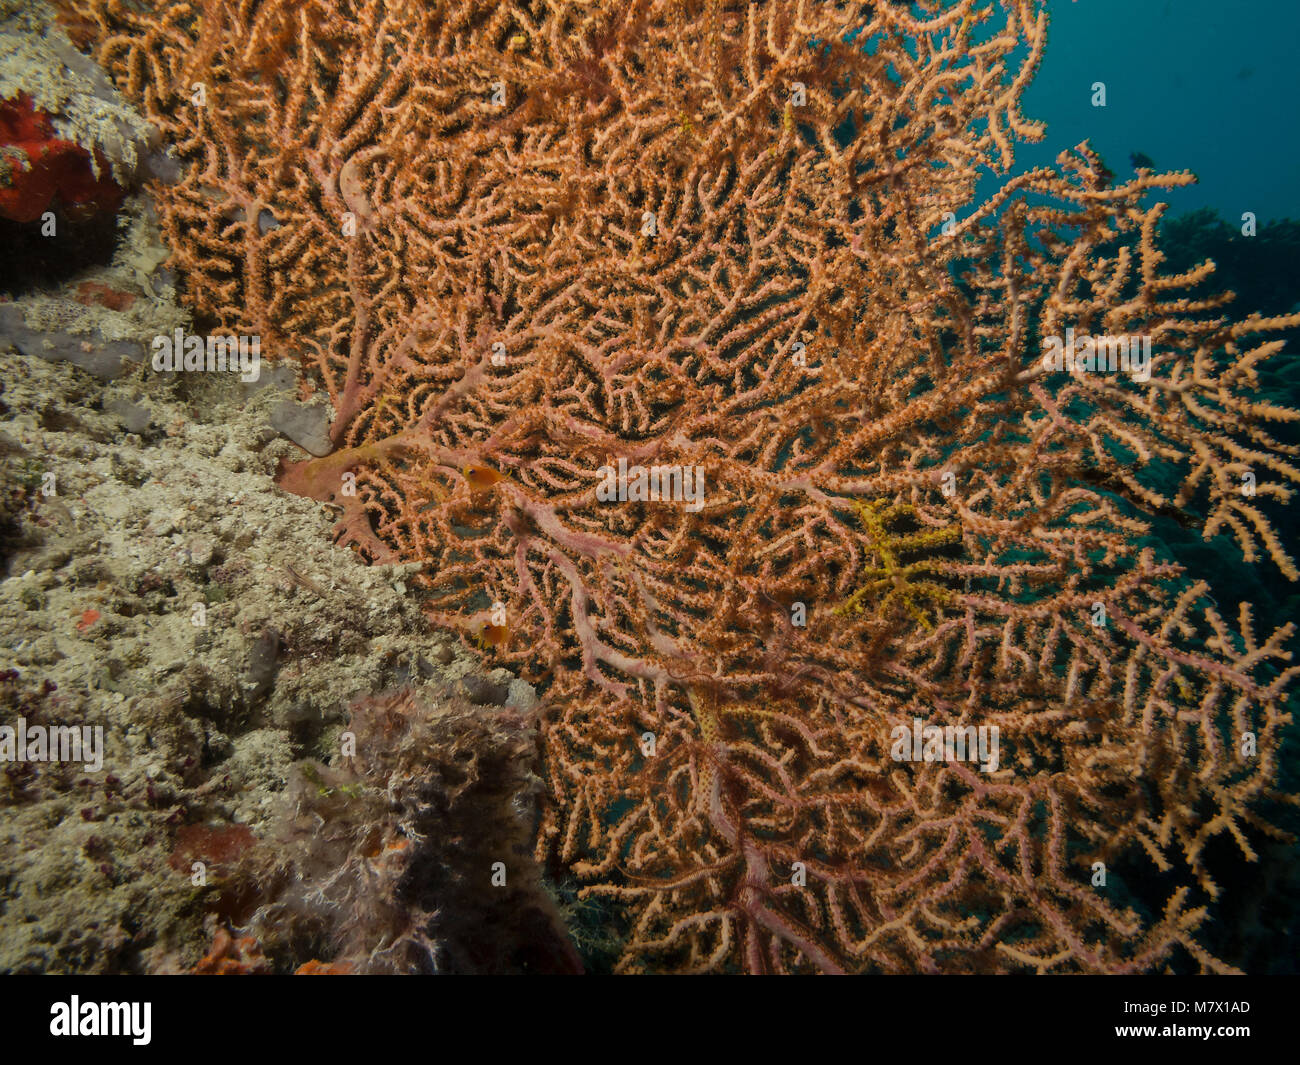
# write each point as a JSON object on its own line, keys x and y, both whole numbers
{"x": 899, "y": 581}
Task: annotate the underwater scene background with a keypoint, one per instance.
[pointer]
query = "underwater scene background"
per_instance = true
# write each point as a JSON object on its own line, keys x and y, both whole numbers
{"x": 660, "y": 486}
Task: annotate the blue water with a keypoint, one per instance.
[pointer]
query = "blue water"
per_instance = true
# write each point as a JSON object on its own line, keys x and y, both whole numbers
{"x": 1198, "y": 85}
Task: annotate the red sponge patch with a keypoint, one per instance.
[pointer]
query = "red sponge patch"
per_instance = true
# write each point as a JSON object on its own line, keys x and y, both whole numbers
{"x": 37, "y": 168}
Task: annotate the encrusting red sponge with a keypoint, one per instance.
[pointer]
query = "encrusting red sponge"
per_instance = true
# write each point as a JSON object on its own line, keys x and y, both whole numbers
{"x": 37, "y": 167}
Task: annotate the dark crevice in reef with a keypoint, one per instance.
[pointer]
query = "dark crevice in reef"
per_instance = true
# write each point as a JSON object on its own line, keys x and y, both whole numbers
{"x": 32, "y": 261}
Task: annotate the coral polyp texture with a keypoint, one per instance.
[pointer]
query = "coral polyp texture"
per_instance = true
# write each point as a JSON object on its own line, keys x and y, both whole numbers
{"x": 672, "y": 338}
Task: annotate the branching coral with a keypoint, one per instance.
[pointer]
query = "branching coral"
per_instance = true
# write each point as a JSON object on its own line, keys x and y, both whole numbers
{"x": 518, "y": 242}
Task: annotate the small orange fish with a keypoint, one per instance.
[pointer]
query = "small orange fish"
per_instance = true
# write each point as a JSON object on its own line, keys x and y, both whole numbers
{"x": 494, "y": 635}
{"x": 87, "y": 620}
{"x": 481, "y": 478}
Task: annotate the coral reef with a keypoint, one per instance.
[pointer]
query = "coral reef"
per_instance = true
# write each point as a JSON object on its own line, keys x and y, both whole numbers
{"x": 516, "y": 243}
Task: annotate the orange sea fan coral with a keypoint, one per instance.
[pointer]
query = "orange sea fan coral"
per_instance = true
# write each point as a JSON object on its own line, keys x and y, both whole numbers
{"x": 550, "y": 241}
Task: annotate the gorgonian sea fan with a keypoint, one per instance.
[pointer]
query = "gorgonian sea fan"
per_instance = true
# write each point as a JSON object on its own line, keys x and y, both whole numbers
{"x": 518, "y": 242}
